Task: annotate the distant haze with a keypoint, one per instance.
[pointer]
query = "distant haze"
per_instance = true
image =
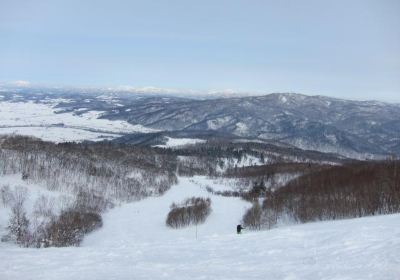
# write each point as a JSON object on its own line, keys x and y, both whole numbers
{"x": 347, "y": 49}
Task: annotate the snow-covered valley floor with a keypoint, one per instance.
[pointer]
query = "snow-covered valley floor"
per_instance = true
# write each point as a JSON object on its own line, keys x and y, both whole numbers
{"x": 45, "y": 121}
{"x": 134, "y": 243}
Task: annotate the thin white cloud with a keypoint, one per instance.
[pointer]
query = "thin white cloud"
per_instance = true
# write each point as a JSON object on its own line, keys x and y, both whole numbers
{"x": 185, "y": 92}
{"x": 151, "y": 90}
{"x": 20, "y": 83}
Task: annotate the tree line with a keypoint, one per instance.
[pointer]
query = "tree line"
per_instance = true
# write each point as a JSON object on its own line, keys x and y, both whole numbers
{"x": 352, "y": 190}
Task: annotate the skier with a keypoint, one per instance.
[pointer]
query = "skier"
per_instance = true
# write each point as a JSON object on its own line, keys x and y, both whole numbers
{"x": 239, "y": 229}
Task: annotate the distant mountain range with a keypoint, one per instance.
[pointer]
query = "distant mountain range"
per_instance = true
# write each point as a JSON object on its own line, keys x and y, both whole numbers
{"x": 358, "y": 129}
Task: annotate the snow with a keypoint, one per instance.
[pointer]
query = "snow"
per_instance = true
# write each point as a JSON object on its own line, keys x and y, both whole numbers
{"x": 58, "y": 134}
{"x": 283, "y": 99}
{"x": 218, "y": 123}
{"x": 177, "y": 142}
{"x": 241, "y": 128}
{"x": 219, "y": 184}
{"x": 246, "y": 160}
{"x": 34, "y": 191}
{"x": 332, "y": 138}
{"x": 150, "y": 215}
{"x": 29, "y": 118}
{"x": 134, "y": 243}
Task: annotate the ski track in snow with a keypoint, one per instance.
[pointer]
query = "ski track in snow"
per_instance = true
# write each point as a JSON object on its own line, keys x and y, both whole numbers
{"x": 134, "y": 243}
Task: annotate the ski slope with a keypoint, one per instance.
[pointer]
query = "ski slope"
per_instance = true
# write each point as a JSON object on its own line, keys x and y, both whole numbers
{"x": 134, "y": 243}
{"x": 144, "y": 221}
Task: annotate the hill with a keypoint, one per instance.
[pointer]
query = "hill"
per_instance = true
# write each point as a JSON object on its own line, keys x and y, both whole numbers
{"x": 135, "y": 244}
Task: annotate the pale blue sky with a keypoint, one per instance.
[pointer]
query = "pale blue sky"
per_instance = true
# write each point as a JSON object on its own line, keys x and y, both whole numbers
{"x": 339, "y": 48}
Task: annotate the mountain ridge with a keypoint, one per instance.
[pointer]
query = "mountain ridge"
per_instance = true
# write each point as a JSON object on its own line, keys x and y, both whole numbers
{"x": 360, "y": 129}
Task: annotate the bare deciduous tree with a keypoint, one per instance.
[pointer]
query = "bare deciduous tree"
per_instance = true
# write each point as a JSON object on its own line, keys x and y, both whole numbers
{"x": 192, "y": 211}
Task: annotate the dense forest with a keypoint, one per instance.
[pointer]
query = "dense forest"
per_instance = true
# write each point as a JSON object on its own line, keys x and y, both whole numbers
{"x": 338, "y": 192}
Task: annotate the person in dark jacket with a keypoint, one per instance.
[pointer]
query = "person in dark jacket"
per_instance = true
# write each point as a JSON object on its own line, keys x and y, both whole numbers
{"x": 239, "y": 229}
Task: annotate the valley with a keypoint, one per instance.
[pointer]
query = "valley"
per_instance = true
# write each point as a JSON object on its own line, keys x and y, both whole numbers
{"x": 88, "y": 183}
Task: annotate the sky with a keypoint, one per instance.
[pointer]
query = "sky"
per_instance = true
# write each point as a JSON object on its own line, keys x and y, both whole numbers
{"x": 348, "y": 49}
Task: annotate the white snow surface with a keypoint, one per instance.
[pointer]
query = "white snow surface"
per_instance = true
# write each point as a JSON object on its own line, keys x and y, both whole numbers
{"x": 43, "y": 120}
{"x": 58, "y": 134}
{"x": 178, "y": 142}
{"x": 134, "y": 243}
{"x": 59, "y": 200}
{"x": 246, "y": 160}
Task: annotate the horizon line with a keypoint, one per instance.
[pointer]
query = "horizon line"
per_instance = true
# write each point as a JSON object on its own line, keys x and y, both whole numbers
{"x": 178, "y": 92}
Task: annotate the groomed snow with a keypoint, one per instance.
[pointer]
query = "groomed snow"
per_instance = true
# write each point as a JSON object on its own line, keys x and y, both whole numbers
{"x": 135, "y": 244}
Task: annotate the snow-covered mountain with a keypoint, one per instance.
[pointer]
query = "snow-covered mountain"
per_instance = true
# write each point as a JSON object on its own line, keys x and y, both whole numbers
{"x": 351, "y": 128}
{"x": 317, "y": 123}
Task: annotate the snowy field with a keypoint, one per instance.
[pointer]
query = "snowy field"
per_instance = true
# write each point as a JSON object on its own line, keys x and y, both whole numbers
{"x": 44, "y": 121}
{"x": 58, "y": 134}
{"x": 179, "y": 142}
{"x": 134, "y": 243}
